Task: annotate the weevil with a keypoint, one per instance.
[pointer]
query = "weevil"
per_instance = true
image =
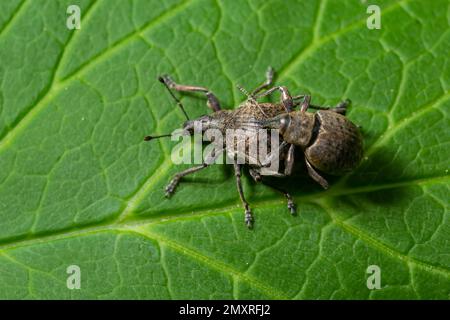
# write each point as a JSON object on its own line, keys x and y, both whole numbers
{"x": 329, "y": 141}
{"x": 297, "y": 129}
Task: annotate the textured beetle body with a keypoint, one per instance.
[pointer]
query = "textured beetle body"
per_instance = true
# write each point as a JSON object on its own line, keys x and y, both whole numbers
{"x": 336, "y": 145}
{"x": 330, "y": 142}
{"x": 246, "y": 121}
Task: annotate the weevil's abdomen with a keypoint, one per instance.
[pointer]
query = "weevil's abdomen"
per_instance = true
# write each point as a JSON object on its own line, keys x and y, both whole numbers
{"x": 336, "y": 146}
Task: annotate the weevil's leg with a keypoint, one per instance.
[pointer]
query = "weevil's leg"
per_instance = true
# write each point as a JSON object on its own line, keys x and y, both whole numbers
{"x": 306, "y": 103}
{"x": 170, "y": 189}
{"x": 248, "y": 212}
{"x": 290, "y": 202}
{"x": 210, "y": 159}
{"x": 255, "y": 174}
{"x": 212, "y": 102}
{"x": 341, "y": 107}
{"x": 274, "y": 153}
{"x": 266, "y": 83}
{"x": 289, "y": 161}
{"x": 286, "y": 98}
{"x": 316, "y": 176}
{"x": 301, "y": 96}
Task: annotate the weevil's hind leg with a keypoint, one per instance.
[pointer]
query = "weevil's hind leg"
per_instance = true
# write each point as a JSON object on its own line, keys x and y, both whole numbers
{"x": 266, "y": 83}
{"x": 340, "y": 108}
{"x": 258, "y": 178}
{"x": 315, "y": 175}
{"x": 286, "y": 98}
{"x": 248, "y": 212}
{"x": 290, "y": 202}
{"x": 212, "y": 102}
{"x": 170, "y": 188}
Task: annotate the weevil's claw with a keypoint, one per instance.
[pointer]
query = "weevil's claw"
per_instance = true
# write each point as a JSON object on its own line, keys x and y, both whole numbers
{"x": 170, "y": 189}
{"x": 248, "y": 218}
{"x": 291, "y": 207}
{"x": 167, "y": 80}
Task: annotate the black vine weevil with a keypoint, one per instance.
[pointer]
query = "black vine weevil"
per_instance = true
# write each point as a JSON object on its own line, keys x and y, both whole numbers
{"x": 330, "y": 142}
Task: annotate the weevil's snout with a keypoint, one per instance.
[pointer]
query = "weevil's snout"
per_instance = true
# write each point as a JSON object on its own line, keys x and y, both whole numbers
{"x": 196, "y": 126}
{"x": 188, "y": 127}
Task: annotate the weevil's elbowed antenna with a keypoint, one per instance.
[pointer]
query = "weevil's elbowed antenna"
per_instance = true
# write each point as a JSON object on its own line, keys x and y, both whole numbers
{"x": 163, "y": 80}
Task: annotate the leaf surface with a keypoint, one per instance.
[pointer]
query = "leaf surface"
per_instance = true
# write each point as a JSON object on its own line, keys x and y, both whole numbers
{"x": 78, "y": 186}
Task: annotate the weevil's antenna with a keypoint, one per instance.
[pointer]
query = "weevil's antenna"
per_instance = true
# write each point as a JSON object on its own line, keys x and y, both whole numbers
{"x": 251, "y": 98}
{"x": 245, "y": 92}
{"x": 163, "y": 81}
{"x": 148, "y": 138}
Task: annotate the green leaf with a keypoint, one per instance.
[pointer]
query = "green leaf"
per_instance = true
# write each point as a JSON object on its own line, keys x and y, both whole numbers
{"x": 78, "y": 186}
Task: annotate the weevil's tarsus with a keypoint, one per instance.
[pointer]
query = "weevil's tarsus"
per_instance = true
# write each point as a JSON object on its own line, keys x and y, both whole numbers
{"x": 315, "y": 175}
{"x": 248, "y": 218}
{"x": 340, "y": 108}
{"x": 170, "y": 188}
{"x": 267, "y": 83}
{"x": 290, "y": 202}
{"x": 210, "y": 159}
{"x": 212, "y": 101}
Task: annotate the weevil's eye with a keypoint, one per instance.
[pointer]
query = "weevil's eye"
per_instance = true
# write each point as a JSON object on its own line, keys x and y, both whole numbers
{"x": 284, "y": 123}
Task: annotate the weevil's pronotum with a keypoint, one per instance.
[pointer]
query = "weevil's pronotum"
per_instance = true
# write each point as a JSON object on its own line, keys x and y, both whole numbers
{"x": 330, "y": 142}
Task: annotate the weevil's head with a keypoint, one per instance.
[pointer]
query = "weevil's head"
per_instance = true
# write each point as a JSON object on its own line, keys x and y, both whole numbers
{"x": 199, "y": 125}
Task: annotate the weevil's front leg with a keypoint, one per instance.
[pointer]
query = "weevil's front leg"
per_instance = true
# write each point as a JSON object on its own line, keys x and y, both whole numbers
{"x": 266, "y": 83}
{"x": 170, "y": 189}
{"x": 212, "y": 102}
{"x": 315, "y": 175}
{"x": 286, "y": 98}
{"x": 248, "y": 213}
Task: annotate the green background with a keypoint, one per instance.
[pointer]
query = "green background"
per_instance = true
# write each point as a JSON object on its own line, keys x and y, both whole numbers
{"x": 78, "y": 186}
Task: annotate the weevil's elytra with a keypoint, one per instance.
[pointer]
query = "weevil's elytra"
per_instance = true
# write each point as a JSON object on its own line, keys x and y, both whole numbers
{"x": 337, "y": 147}
{"x": 330, "y": 142}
